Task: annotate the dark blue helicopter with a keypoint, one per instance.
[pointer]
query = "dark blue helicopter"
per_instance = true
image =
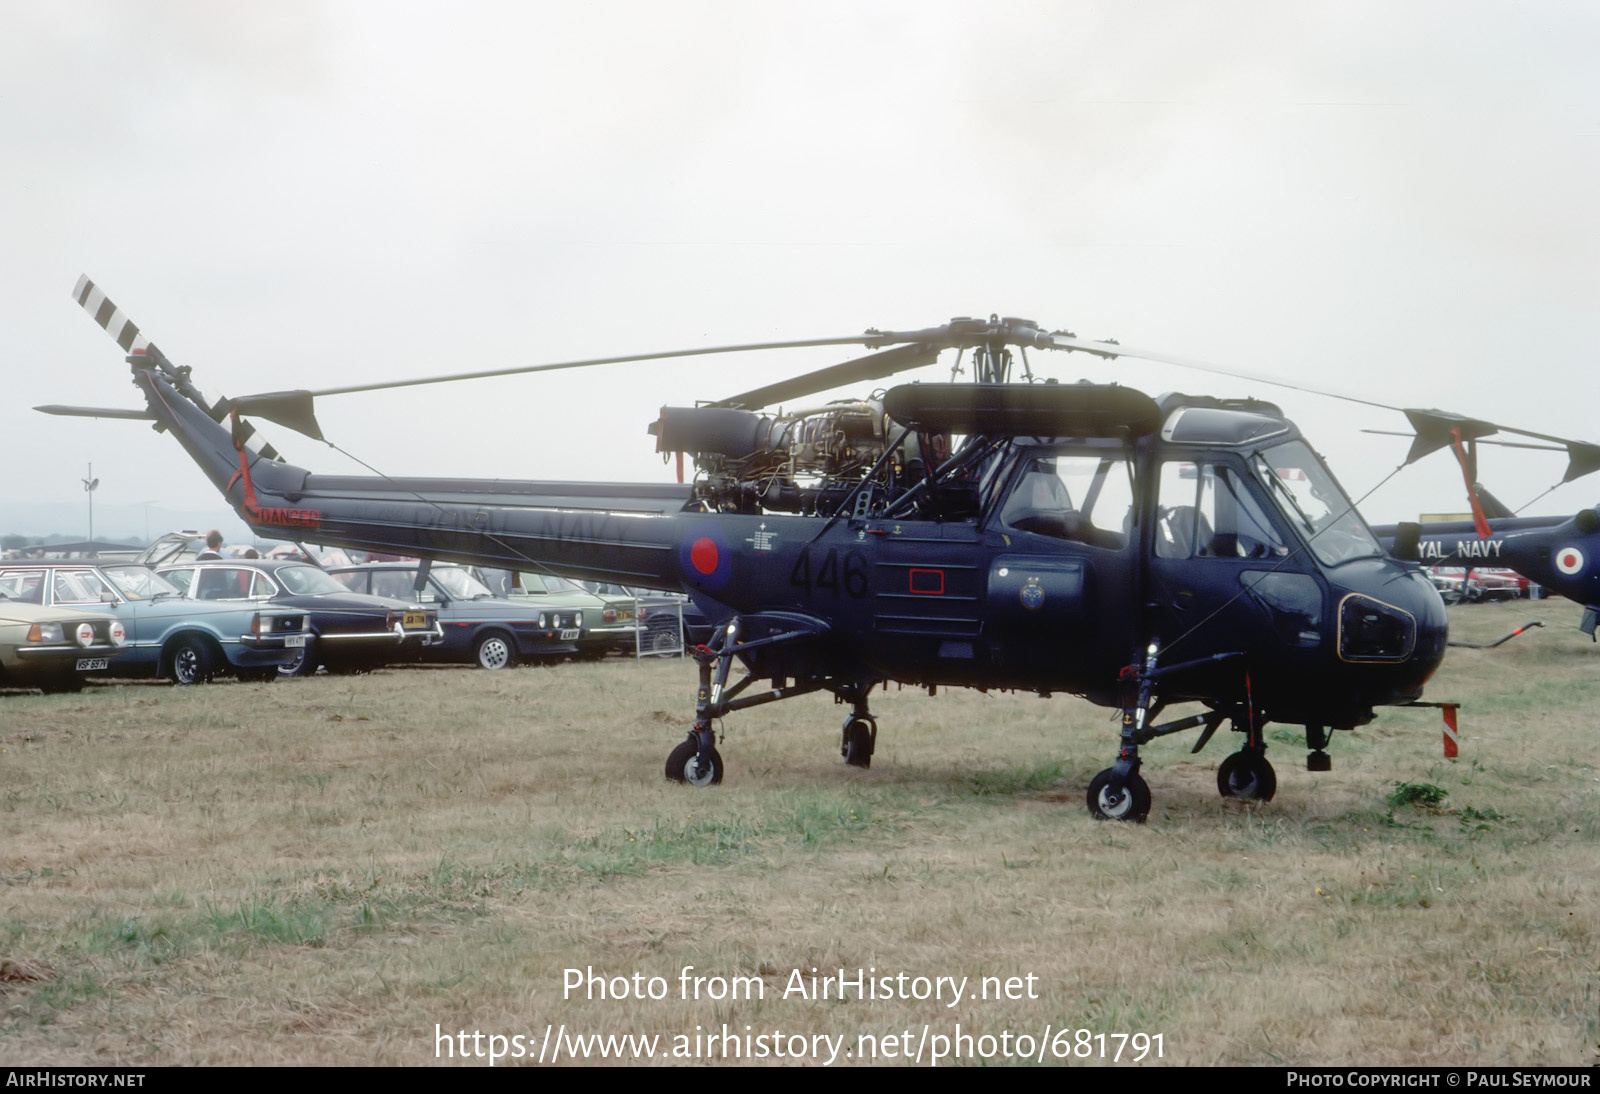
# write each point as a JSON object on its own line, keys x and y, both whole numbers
{"x": 1037, "y": 536}
{"x": 1561, "y": 554}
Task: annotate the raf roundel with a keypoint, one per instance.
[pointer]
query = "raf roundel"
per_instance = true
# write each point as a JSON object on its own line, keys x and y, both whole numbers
{"x": 706, "y": 557}
{"x": 1569, "y": 560}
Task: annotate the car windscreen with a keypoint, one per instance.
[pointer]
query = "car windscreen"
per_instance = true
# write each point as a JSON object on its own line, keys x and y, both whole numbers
{"x": 458, "y": 583}
{"x": 138, "y": 583}
{"x": 307, "y": 581}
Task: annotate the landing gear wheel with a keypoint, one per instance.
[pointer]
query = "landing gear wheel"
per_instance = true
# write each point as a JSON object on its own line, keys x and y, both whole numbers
{"x": 1132, "y": 805}
{"x": 683, "y": 766}
{"x": 189, "y": 662}
{"x": 860, "y": 741}
{"x": 303, "y": 663}
{"x": 1247, "y": 775}
{"x": 494, "y": 651}
{"x": 1319, "y": 761}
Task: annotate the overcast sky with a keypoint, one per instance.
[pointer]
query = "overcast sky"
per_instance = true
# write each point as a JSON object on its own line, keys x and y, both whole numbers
{"x": 1395, "y": 199}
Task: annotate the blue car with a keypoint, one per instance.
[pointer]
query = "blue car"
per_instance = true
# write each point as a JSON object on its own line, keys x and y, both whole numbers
{"x": 348, "y": 632}
{"x": 168, "y": 635}
{"x": 479, "y": 628}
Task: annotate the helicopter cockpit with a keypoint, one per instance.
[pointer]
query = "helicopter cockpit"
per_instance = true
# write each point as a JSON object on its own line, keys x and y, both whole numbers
{"x": 1085, "y": 496}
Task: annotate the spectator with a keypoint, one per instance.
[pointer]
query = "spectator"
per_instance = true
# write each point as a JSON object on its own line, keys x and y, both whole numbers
{"x": 213, "y": 546}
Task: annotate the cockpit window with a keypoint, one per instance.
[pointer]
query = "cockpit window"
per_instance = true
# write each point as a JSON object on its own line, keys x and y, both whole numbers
{"x": 1207, "y": 511}
{"x": 1082, "y": 496}
{"x": 1314, "y": 504}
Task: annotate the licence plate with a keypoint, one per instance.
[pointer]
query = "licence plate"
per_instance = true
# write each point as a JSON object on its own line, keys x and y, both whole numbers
{"x": 293, "y": 641}
{"x": 570, "y": 636}
{"x": 90, "y": 664}
{"x": 415, "y": 619}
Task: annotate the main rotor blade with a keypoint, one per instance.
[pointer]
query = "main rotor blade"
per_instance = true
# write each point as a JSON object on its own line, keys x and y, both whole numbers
{"x": 874, "y": 366}
{"x": 1433, "y": 426}
{"x": 1113, "y": 350}
{"x": 869, "y": 338}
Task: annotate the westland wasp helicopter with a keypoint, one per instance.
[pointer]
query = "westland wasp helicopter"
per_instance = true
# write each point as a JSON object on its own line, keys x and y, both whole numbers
{"x": 1561, "y": 554}
{"x": 1037, "y": 536}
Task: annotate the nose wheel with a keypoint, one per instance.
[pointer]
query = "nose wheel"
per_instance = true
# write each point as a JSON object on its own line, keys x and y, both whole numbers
{"x": 1247, "y": 774}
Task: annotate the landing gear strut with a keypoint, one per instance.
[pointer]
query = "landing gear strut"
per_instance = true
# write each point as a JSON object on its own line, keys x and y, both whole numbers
{"x": 696, "y": 760}
{"x": 1118, "y": 792}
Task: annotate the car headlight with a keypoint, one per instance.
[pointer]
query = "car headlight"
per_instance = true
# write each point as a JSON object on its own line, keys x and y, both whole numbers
{"x": 46, "y": 632}
{"x": 85, "y": 634}
{"x": 544, "y": 623}
{"x": 577, "y": 620}
{"x": 119, "y": 633}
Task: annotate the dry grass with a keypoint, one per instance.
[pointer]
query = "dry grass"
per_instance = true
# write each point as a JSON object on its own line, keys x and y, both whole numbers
{"x": 322, "y": 871}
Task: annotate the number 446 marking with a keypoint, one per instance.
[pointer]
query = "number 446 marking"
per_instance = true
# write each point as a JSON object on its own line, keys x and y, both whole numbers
{"x": 850, "y": 578}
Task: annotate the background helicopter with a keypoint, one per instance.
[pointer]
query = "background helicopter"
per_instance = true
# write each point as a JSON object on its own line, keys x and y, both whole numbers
{"x": 1562, "y": 554}
{"x": 1037, "y": 536}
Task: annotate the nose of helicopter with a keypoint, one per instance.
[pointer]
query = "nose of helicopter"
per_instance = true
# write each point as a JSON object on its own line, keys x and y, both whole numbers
{"x": 1392, "y": 623}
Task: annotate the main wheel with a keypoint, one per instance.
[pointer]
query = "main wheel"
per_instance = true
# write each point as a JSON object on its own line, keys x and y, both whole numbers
{"x": 1247, "y": 775}
{"x": 189, "y": 662}
{"x": 683, "y": 766}
{"x": 495, "y": 651}
{"x": 304, "y": 662}
{"x": 860, "y": 738}
{"x": 1132, "y": 805}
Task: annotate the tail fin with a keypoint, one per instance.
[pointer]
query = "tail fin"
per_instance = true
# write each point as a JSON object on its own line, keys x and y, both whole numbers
{"x": 144, "y": 353}
{"x": 1492, "y": 506}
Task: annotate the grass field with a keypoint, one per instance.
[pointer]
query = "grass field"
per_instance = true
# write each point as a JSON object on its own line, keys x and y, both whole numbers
{"x": 336, "y": 870}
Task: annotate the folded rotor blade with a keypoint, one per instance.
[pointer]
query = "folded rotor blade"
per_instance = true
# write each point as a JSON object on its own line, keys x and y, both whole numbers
{"x": 874, "y": 366}
{"x": 291, "y": 408}
{"x": 518, "y": 370}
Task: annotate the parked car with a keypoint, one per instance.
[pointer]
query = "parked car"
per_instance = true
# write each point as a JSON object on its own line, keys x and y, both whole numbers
{"x": 348, "y": 632}
{"x": 669, "y": 622}
{"x": 601, "y": 629}
{"x": 167, "y": 634}
{"x": 1462, "y": 586}
{"x": 52, "y": 648}
{"x": 479, "y": 627}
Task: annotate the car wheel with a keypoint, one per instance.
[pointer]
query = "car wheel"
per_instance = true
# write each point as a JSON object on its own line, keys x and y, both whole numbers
{"x": 494, "y": 651}
{"x": 189, "y": 662}
{"x": 664, "y": 640}
{"x": 303, "y": 663}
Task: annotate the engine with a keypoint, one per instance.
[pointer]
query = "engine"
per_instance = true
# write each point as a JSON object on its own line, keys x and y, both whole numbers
{"x": 805, "y": 462}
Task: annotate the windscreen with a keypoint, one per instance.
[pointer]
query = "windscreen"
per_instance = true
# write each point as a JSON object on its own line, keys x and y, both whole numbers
{"x": 1313, "y": 502}
{"x": 458, "y": 583}
{"x": 138, "y": 583}
{"x": 307, "y": 581}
